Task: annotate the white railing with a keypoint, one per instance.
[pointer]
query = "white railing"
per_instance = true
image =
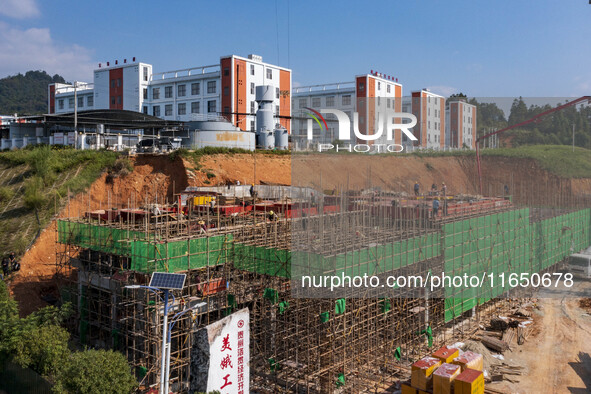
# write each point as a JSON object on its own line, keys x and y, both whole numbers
{"x": 186, "y": 72}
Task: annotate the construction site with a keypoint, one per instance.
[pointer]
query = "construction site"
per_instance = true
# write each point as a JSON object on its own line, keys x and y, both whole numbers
{"x": 243, "y": 248}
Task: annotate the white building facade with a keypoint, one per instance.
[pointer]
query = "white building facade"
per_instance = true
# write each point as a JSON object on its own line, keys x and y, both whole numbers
{"x": 226, "y": 89}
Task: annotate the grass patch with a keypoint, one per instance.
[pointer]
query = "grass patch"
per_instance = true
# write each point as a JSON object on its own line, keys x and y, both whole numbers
{"x": 40, "y": 179}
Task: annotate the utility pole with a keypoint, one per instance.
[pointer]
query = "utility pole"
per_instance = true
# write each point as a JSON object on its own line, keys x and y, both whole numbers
{"x": 573, "y": 137}
{"x": 75, "y": 115}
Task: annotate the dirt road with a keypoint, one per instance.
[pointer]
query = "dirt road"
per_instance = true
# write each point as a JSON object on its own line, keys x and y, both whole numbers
{"x": 558, "y": 359}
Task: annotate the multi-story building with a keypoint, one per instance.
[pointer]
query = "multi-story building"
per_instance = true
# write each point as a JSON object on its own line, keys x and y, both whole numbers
{"x": 370, "y": 96}
{"x": 460, "y": 124}
{"x": 429, "y": 109}
{"x": 227, "y": 89}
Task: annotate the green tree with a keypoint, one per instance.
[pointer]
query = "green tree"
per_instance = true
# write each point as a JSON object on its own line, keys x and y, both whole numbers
{"x": 26, "y": 94}
{"x": 41, "y": 348}
{"x": 519, "y": 112}
{"x": 95, "y": 372}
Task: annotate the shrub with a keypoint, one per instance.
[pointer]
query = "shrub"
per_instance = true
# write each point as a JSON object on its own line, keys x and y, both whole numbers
{"x": 94, "y": 371}
{"x": 34, "y": 196}
{"x": 6, "y": 193}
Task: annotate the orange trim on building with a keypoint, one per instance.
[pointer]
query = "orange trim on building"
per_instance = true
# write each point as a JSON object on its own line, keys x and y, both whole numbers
{"x": 51, "y": 99}
{"x": 461, "y": 125}
{"x": 240, "y": 93}
{"x": 116, "y": 88}
{"x": 474, "y": 127}
{"x": 398, "y": 108}
{"x": 442, "y": 123}
{"x": 285, "y": 98}
{"x": 226, "y": 82}
{"x": 361, "y": 92}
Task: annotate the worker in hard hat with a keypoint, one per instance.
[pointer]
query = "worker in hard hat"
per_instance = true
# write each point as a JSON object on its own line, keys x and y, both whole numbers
{"x": 417, "y": 187}
{"x": 443, "y": 189}
{"x": 435, "y": 207}
{"x": 251, "y": 190}
{"x": 272, "y": 216}
{"x": 202, "y": 227}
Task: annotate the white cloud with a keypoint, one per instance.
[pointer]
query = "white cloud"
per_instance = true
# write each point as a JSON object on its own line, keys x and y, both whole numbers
{"x": 443, "y": 90}
{"x": 19, "y": 9}
{"x": 34, "y": 49}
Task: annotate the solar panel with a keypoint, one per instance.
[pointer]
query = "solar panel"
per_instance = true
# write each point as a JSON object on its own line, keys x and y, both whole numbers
{"x": 164, "y": 280}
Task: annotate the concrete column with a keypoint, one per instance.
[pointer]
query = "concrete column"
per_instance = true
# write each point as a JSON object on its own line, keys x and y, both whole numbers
{"x": 51, "y": 140}
{"x": 3, "y": 143}
{"x": 119, "y": 139}
{"x": 82, "y": 140}
{"x": 25, "y": 141}
{"x": 13, "y": 143}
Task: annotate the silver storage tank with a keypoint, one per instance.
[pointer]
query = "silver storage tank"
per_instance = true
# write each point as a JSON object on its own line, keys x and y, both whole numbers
{"x": 281, "y": 137}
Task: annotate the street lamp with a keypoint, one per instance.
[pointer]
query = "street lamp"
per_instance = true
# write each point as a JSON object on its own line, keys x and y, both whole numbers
{"x": 164, "y": 299}
{"x": 163, "y": 282}
{"x": 173, "y": 321}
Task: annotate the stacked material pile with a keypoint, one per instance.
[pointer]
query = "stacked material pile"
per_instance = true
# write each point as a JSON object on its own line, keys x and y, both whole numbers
{"x": 446, "y": 371}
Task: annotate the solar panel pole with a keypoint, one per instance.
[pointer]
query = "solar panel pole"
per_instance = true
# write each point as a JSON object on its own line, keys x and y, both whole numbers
{"x": 165, "y": 344}
{"x": 164, "y": 328}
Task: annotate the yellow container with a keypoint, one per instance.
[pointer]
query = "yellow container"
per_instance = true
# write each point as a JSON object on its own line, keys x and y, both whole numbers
{"x": 469, "y": 360}
{"x": 202, "y": 200}
{"x": 470, "y": 381}
{"x": 421, "y": 372}
{"x": 443, "y": 378}
{"x": 406, "y": 389}
{"x": 446, "y": 354}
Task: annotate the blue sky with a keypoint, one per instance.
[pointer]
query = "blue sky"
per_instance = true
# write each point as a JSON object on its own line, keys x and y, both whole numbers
{"x": 493, "y": 48}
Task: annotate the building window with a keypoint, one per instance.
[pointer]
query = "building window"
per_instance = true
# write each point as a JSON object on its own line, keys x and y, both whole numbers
{"x": 145, "y": 73}
{"x": 252, "y": 107}
{"x": 330, "y": 101}
{"x": 156, "y": 93}
{"x": 388, "y": 88}
{"x": 80, "y": 101}
{"x": 156, "y": 110}
{"x": 118, "y": 82}
{"x": 145, "y": 93}
{"x": 226, "y": 71}
{"x": 276, "y": 92}
{"x": 252, "y": 125}
{"x": 211, "y": 87}
{"x": 168, "y": 110}
{"x": 71, "y": 102}
{"x": 226, "y": 91}
{"x": 146, "y": 109}
{"x": 195, "y": 107}
{"x": 252, "y": 69}
{"x": 60, "y": 104}
{"x": 379, "y": 85}
{"x": 303, "y": 102}
{"x": 379, "y": 100}
{"x": 90, "y": 101}
{"x": 182, "y": 109}
{"x": 316, "y": 102}
{"x": 388, "y": 103}
{"x": 181, "y": 90}
{"x": 118, "y": 100}
{"x": 276, "y": 110}
{"x": 226, "y": 110}
{"x": 195, "y": 89}
{"x": 252, "y": 88}
{"x": 113, "y": 83}
{"x": 347, "y": 99}
{"x": 211, "y": 105}
{"x": 168, "y": 92}
{"x": 269, "y": 73}
{"x": 361, "y": 86}
{"x": 112, "y": 100}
